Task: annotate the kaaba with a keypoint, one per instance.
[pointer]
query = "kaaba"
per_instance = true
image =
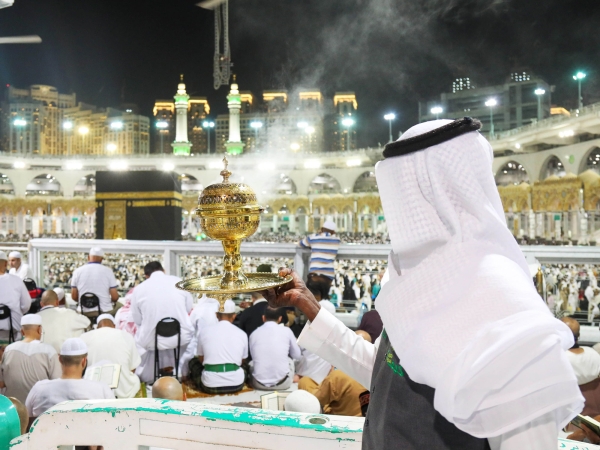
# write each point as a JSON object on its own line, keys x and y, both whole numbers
{"x": 144, "y": 205}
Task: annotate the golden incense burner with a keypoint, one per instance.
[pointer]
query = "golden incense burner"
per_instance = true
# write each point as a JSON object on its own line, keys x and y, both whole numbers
{"x": 229, "y": 213}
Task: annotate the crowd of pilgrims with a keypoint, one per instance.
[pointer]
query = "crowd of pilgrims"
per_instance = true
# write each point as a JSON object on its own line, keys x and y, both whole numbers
{"x": 51, "y": 345}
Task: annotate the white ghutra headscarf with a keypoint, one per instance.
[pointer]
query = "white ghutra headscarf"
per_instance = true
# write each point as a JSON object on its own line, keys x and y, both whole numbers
{"x": 460, "y": 308}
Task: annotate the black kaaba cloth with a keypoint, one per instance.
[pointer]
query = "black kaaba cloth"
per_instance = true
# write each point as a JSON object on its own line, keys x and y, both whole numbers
{"x": 144, "y": 205}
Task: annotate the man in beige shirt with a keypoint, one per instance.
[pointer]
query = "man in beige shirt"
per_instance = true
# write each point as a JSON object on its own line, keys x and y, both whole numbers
{"x": 26, "y": 362}
{"x": 59, "y": 324}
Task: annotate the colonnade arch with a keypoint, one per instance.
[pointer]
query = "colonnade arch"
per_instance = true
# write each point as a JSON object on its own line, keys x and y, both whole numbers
{"x": 513, "y": 173}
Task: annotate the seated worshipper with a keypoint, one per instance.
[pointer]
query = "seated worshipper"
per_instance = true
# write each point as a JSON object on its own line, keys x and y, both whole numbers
{"x": 324, "y": 249}
{"x": 70, "y": 386}
{"x": 155, "y": 299}
{"x": 222, "y": 349}
{"x": 273, "y": 349}
{"x": 203, "y": 315}
{"x": 252, "y": 318}
{"x": 60, "y": 293}
{"x": 108, "y": 345}
{"x": 372, "y": 324}
{"x": 26, "y": 362}
{"x": 312, "y": 366}
{"x": 483, "y": 387}
{"x": 338, "y": 394}
{"x": 18, "y": 267}
{"x": 303, "y": 402}
{"x": 13, "y": 294}
{"x": 586, "y": 364}
{"x": 124, "y": 318}
{"x": 59, "y": 324}
{"x": 94, "y": 278}
{"x": 168, "y": 388}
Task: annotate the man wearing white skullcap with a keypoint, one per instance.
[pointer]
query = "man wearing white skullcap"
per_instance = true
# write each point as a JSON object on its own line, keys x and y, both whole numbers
{"x": 59, "y": 324}
{"x": 26, "y": 362}
{"x": 70, "y": 386}
{"x": 18, "y": 267}
{"x": 222, "y": 349}
{"x": 15, "y": 296}
{"x": 471, "y": 355}
{"x": 107, "y": 344}
{"x": 303, "y": 402}
{"x": 97, "y": 279}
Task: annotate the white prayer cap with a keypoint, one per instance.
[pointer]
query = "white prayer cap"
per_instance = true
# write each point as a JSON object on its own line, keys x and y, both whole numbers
{"x": 97, "y": 251}
{"x": 330, "y": 225}
{"x": 102, "y": 317}
{"x": 73, "y": 347}
{"x": 303, "y": 402}
{"x": 3, "y": 256}
{"x": 229, "y": 307}
{"x": 15, "y": 255}
{"x": 60, "y": 293}
{"x": 330, "y": 307}
{"x": 31, "y": 319}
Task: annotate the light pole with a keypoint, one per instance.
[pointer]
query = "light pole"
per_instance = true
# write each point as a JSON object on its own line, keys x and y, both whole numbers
{"x": 162, "y": 126}
{"x": 578, "y": 77}
{"x": 490, "y": 104}
{"x": 437, "y": 110}
{"x": 207, "y": 124}
{"x": 539, "y": 92}
{"x": 348, "y": 122}
{"x": 68, "y": 127}
{"x": 389, "y": 117}
{"x": 256, "y": 125}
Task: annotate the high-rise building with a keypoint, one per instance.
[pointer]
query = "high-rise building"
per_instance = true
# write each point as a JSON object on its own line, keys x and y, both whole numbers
{"x": 34, "y": 117}
{"x": 524, "y": 98}
{"x": 340, "y": 124}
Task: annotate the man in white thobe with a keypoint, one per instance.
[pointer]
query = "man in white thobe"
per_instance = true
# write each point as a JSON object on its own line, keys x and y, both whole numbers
{"x": 70, "y": 386}
{"x": 273, "y": 350}
{"x": 18, "y": 267}
{"x": 13, "y": 294}
{"x": 203, "y": 315}
{"x": 153, "y": 300}
{"x": 107, "y": 344}
{"x": 459, "y": 280}
{"x": 26, "y": 362}
{"x": 59, "y": 324}
{"x": 95, "y": 278}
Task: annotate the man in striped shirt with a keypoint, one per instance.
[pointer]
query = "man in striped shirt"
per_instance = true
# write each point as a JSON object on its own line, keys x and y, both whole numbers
{"x": 324, "y": 246}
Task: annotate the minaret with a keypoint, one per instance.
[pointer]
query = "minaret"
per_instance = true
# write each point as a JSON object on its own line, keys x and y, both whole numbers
{"x": 181, "y": 146}
{"x": 234, "y": 145}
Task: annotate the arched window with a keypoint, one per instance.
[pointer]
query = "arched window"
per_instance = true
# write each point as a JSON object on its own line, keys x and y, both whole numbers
{"x": 593, "y": 161}
{"x": 6, "y": 186}
{"x": 553, "y": 167}
{"x": 44, "y": 184}
{"x": 366, "y": 182}
{"x": 190, "y": 183}
{"x": 86, "y": 186}
{"x": 284, "y": 185}
{"x": 324, "y": 184}
{"x": 511, "y": 173}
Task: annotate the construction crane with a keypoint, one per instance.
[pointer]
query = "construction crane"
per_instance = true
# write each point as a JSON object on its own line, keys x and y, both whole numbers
{"x": 17, "y": 39}
{"x": 222, "y": 57}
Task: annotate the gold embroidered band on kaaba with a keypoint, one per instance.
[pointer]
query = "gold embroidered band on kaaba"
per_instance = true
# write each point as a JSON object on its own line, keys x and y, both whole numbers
{"x": 138, "y": 195}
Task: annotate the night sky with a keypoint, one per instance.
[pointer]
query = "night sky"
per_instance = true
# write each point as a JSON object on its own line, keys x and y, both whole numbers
{"x": 391, "y": 53}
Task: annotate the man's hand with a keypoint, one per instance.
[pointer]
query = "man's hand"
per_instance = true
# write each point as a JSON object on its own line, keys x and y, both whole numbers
{"x": 295, "y": 293}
